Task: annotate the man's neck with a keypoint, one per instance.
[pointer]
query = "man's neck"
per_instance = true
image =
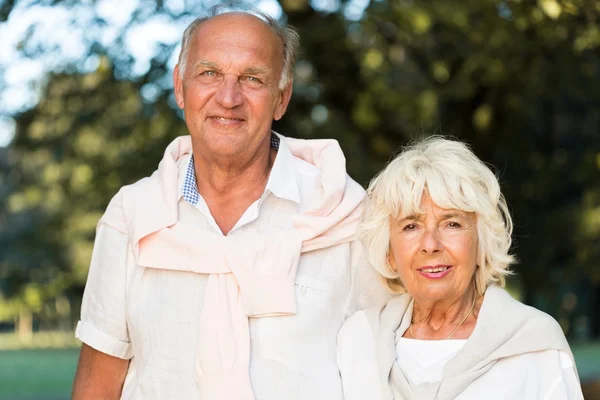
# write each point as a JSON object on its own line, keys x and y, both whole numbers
{"x": 229, "y": 187}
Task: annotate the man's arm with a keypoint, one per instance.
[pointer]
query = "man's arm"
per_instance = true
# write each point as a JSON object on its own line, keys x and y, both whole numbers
{"x": 99, "y": 376}
{"x": 106, "y": 347}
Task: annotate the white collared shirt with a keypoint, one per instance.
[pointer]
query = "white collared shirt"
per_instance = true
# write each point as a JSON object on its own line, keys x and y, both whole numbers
{"x": 151, "y": 315}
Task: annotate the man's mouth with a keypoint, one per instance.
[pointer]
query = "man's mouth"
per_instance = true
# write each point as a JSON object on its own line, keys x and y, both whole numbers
{"x": 227, "y": 119}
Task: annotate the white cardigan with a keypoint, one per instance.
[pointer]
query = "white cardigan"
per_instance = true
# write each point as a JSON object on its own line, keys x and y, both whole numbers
{"x": 515, "y": 352}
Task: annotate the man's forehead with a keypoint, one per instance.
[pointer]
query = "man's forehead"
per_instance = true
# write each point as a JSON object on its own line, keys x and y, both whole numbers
{"x": 235, "y": 40}
{"x": 240, "y": 15}
{"x": 236, "y": 22}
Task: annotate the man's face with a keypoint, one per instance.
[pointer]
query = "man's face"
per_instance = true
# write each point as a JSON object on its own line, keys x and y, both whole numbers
{"x": 229, "y": 90}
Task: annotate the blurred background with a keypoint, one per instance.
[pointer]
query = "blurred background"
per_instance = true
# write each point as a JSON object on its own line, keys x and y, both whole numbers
{"x": 86, "y": 106}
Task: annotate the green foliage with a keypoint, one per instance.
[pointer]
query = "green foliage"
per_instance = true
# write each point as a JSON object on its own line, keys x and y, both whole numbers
{"x": 515, "y": 79}
{"x": 89, "y": 135}
{"x": 519, "y": 94}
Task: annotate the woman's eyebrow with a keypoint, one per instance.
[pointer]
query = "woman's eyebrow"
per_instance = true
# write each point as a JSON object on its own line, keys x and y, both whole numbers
{"x": 454, "y": 215}
{"x": 412, "y": 217}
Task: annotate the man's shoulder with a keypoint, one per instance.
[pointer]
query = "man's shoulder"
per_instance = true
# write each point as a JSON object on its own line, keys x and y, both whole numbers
{"x": 304, "y": 169}
{"x": 140, "y": 189}
{"x": 122, "y": 206}
{"x": 317, "y": 163}
{"x": 310, "y": 181}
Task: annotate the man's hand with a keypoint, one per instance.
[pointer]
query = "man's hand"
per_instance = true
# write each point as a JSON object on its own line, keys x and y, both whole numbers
{"x": 99, "y": 376}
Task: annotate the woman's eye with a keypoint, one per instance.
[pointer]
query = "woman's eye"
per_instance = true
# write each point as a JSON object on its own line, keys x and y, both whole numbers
{"x": 410, "y": 227}
{"x": 454, "y": 224}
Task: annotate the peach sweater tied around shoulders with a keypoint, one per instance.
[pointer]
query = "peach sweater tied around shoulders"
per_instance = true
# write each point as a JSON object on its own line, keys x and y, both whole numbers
{"x": 251, "y": 275}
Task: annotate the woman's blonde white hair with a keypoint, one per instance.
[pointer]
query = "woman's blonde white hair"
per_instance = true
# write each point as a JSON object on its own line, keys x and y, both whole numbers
{"x": 454, "y": 178}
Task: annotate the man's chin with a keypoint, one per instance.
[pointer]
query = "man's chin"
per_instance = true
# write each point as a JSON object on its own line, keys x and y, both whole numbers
{"x": 221, "y": 147}
{"x": 223, "y": 143}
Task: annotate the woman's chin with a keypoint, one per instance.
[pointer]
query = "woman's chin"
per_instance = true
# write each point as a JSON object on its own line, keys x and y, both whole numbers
{"x": 437, "y": 293}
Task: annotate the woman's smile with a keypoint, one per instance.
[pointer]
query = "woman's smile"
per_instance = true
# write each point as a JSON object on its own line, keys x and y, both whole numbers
{"x": 435, "y": 272}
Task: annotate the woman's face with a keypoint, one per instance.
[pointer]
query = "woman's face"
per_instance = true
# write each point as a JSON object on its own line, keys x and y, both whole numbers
{"x": 434, "y": 253}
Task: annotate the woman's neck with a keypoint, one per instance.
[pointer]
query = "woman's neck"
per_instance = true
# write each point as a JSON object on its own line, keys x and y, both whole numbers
{"x": 446, "y": 318}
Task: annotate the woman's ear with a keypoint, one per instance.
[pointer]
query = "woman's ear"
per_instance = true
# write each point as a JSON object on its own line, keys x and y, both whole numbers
{"x": 390, "y": 260}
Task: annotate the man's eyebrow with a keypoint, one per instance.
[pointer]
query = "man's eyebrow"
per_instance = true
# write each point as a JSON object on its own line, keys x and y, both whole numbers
{"x": 205, "y": 64}
{"x": 256, "y": 71}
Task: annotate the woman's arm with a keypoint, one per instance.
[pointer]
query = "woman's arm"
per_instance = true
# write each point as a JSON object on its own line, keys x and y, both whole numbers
{"x": 565, "y": 385}
{"x": 357, "y": 360}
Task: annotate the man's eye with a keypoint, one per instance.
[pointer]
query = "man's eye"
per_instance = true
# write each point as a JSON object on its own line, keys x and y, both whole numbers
{"x": 208, "y": 73}
{"x": 454, "y": 224}
{"x": 252, "y": 80}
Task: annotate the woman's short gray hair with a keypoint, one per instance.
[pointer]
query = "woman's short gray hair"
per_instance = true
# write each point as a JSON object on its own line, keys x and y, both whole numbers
{"x": 287, "y": 35}
{"x": 454, "y": 178}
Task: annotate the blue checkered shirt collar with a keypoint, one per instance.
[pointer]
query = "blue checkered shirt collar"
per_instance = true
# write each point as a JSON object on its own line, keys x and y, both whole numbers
{"x": 190, "y": 187}
{"x": 284, "y": 188}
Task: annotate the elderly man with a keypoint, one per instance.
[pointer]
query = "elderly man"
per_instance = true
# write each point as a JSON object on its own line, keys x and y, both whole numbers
{"x": 226, "y": 274}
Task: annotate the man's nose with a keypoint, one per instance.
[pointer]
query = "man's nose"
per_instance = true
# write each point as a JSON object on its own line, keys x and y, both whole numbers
{"x": 229, "y": 93}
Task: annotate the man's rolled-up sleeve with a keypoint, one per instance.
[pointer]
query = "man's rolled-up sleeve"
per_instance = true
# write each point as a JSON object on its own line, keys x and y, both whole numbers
{"x": 103, "y": 324}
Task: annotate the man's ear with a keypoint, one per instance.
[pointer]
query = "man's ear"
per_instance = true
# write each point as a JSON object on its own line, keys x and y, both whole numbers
{"x": 178, "y": 87}
{"x": 284, "y": 99}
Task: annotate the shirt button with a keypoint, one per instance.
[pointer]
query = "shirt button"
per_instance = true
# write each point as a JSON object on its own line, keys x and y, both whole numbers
{"x": 303, "y": 289}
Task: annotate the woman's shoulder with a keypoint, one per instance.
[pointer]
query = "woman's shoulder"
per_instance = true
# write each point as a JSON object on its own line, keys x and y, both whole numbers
{"x": 365, "y": 323}
{"x": 357, "y": 326}
{"x": 503, "y": 309}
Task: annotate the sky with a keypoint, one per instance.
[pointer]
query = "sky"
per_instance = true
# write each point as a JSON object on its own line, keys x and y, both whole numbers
{"x": 65, "y": 29}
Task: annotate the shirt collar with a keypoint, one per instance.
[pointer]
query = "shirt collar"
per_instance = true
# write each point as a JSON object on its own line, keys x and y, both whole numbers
{"x": 282, "y": 179}
{"x": 187, "y": 177}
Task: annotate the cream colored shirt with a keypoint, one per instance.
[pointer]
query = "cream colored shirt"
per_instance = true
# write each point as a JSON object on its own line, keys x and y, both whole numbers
{"x": 151, "y": 315}
{"x": 544, "y": 375}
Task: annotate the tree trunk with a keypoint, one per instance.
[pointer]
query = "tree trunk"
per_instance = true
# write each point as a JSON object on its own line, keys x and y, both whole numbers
{"x": 595, "y": 314}
{"x": 25, "y": 327}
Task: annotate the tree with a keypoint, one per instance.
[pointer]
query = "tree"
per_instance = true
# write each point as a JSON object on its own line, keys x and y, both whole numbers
{"x": 88, "y": 136}
{"x": 512, "y": 78}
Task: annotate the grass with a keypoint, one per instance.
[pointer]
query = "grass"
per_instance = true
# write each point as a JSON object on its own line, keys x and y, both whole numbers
{"x": 47, "y": 374}
{"x": 39, "y": 340}
{"x": 37, "y": 373}
{"x": 587, "y": 357}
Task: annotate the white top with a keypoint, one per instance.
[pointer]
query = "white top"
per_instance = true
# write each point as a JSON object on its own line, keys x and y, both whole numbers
{"x": 424, "y": 360}
{"x": 546, "y": 375}
{"x": 151, "y": 315}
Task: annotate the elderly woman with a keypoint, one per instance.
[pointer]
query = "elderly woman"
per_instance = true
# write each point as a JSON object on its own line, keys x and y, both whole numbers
{"x": 438, "y": 231}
